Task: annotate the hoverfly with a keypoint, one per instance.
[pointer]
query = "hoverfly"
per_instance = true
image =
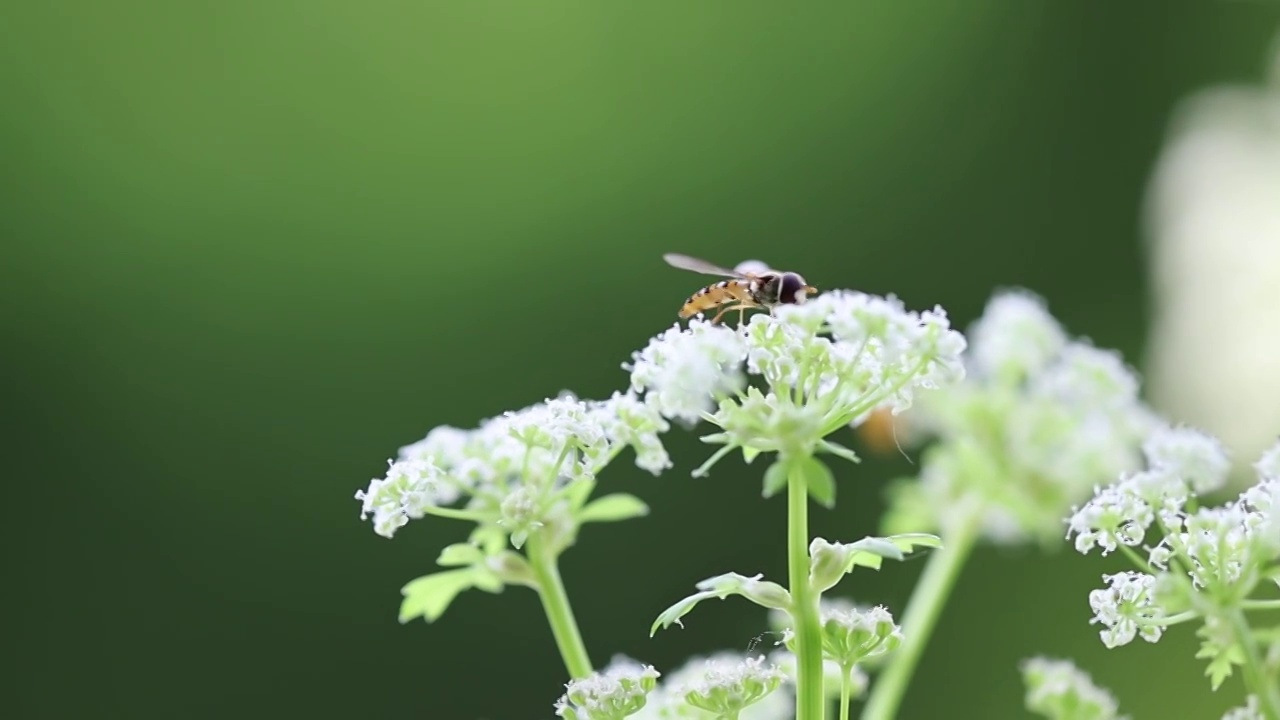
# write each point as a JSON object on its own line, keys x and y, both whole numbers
{"x": 764, "y": 289}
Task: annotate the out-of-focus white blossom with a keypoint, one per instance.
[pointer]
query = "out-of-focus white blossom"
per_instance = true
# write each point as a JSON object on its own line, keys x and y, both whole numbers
{"x": 1214, "y": 252}
{"x": 1040, "y": 420}
{"x": 1058, "y": 690}
{"x": 1249, "y": 711}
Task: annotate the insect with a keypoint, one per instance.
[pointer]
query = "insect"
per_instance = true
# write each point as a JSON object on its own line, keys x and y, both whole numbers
{"x": 765, "y": 289}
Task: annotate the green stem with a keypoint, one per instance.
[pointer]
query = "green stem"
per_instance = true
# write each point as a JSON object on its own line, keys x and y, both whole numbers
{"x": 846, "y": 672}
{"x": 1260, "y": 605}
{"x": 927, "y": 599}
{"x": 555, "y": 602}
{"x": 810, "y": 701}
{"x": 1255, "y": 675}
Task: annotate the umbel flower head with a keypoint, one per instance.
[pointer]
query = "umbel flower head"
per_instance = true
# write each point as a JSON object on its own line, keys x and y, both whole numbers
{"x": 719, "y": 685}
{"x": 1058, "y": 690}
{"x": 1039, "y": 421}
{"x": 1200, "y": 562}
{"x": 784, "y": 382}
{"x": 513, "y": 468}
{"x": 618, "y": 692}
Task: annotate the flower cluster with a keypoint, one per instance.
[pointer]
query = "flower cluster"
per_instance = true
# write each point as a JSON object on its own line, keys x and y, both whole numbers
{"x": 618, "y": 692}
{"x": 722, "y": 685}
{"x": 512, "y": 467}
{"x": 1058, "y": 690}
{"x": 1039, "y": 421}
{"x": 824, "y": 365}
{"x": 1199, "y": 562}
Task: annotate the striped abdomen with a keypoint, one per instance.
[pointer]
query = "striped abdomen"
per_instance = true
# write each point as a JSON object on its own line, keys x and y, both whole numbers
{"x": 712, "y": 296}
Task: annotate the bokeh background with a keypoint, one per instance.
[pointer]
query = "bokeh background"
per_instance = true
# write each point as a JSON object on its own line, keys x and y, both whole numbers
{"x": 250, "y": 248}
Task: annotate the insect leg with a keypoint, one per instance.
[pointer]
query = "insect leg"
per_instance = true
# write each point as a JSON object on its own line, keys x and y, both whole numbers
{"x": 724, "y": 309}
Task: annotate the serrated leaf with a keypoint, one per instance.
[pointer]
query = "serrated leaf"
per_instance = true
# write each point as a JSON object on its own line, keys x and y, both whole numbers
{"x": 819, "y": 480}
{"x": 460, "y": 554}
{"x": 775, "y": 478}
{"x": 429, "y": 596}
{"x": 612, "y": 508}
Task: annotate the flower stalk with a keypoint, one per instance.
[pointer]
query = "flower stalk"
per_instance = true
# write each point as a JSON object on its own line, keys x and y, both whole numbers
{"x": 555, "y": 603}
{"x": 810, "y": 699}
{"x": 923, "y": 610}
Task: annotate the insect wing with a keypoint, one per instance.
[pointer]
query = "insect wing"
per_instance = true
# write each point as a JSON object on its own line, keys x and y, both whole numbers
{"x": 684, "y": 262}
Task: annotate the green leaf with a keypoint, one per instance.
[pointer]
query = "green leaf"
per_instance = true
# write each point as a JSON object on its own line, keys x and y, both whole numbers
{"x": 612, "y": 508}
{"x": 429, "y": 596}
{"x": 839, "y": 451}
{"x": 578, "y": 491}
{"x": 819, "y": 480}
{"x": 749, "y": 454}
{"x": 775, "y": 478}
{"x": 460, "y": 554}
{"x": 1220, "y": 658}
{"x": 761, "y": 592}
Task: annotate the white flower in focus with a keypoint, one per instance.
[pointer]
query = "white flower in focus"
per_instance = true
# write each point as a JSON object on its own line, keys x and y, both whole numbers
{"x": 850, "y": 636}
{"x": 615, "y": 693}
{"x": 1057, "y": 689}
{"x": 511, "y": 466}
{"x": 409, "y": 487}
{"x": 682, "y": 371}
{"x": 668, "y": 701}
{"x": 1126, "y": 608}
{"x": 1115, "y": 516}
{"x": 728, "y": 689}
{"x": 826, "y": 363}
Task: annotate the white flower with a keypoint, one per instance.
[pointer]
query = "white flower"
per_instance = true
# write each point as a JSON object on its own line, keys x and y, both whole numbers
{"x": 1058, "y": 689}
{"x": 1197, "y": 458}
{"x": 1016, "y": 336}
{"x": 1126, "y": 608}
{"x": 403, "y": 494}
{"x": 669, "y": 702}
{"x": 826, "y": 364}
{"x": 1115, "y": 516}
{"x": 1268, "y": 466}
{"x": 617, "y": 692}
{"x": 729, "y": 688}
{"x": 1038, "y": 423}
{"x": 511, "y": 465}
{"x": 682, "y": 371}
{"x": 1249, "y": 711}
{"x": 850, "y": 635}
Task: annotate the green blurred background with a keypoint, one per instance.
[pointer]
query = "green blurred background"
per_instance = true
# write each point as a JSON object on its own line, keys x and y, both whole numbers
{"x": 250, "y": 248}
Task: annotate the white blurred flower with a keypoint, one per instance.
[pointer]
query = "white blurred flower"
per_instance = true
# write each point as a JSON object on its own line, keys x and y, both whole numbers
{"x": 1191, "y": 454}
{"x": 1057, "y": 689}
{"x": 1249, "y": 711}
{"x": 1214, "y": 239}
{"x": 1040, "y": 420}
